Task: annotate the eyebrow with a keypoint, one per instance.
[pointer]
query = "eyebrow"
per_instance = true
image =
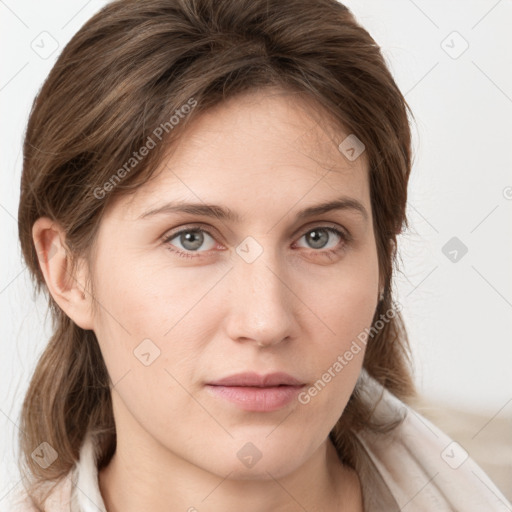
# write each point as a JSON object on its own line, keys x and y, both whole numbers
{"x": 225, "y": 214}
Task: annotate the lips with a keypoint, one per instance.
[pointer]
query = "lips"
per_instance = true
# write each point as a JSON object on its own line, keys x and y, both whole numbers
{"x": 257, "y": 393}
{"x": 260, "y": 381}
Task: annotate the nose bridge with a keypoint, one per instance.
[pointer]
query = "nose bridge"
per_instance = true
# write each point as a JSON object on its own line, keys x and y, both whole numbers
{"x": 261, "y": 301}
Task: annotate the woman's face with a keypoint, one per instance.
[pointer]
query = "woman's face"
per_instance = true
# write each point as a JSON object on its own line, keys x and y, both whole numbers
{"x": 269, "y": 288}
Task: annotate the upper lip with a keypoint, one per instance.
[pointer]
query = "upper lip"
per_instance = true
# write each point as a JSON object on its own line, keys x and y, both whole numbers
{"x": 256, "y": 380}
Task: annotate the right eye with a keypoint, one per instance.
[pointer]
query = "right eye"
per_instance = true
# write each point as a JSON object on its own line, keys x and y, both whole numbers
{"x": 190, "y": 240}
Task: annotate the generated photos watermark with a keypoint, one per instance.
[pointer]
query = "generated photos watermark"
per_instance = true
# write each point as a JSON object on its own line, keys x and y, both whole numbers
{"x": 344, "y": 359}
{"x": 151, "y": 143}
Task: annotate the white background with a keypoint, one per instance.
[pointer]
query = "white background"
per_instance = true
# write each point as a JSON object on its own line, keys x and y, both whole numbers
{"x": 458, "y": 314}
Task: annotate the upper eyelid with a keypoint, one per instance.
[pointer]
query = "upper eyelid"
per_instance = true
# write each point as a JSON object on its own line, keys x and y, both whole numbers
{"x": 170, "y": 235}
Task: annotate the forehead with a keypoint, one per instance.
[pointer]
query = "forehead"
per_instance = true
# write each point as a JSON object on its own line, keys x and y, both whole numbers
{"x": 269, "y": 145}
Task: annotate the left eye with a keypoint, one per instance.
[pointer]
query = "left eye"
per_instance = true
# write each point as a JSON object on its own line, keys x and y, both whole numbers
{"x": 319, "y": 237}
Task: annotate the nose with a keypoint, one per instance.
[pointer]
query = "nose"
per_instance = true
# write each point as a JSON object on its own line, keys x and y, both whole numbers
{"x": 261, "y": 303}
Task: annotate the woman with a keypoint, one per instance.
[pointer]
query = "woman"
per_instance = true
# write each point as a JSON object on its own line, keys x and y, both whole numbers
{"x": 211, "y": 195}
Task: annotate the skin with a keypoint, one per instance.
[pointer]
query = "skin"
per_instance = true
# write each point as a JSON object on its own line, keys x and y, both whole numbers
{"x": 265, "y": 155}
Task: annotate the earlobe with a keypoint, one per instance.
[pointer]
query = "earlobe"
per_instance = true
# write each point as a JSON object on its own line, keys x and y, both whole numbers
{"x": 67, "y": 289}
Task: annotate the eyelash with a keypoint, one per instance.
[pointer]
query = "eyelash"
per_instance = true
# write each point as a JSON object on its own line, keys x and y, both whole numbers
{"x": 344, "y": 236}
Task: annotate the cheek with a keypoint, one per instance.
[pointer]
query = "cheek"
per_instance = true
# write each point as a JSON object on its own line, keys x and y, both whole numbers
{"x": 347, "y": 299}
{"x": 346, "y": 306}
{"x": 152, "y": 314}
{"x": 144, "y": 331}
{"x": 146, "y": 298}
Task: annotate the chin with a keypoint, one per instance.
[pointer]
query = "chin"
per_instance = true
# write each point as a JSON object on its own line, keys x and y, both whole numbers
{"x": 260, "y": 471}
{"x": 255, "y": 460}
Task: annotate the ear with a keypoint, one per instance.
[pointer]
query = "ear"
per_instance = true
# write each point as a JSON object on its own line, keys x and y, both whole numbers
{"x": 69, "y": 291}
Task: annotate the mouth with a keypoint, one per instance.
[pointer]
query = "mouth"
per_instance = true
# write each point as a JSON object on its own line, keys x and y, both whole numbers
{"x": 252, "y": 392}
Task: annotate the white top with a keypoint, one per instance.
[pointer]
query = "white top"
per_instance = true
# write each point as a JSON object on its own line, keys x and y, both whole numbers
{"x": 414, "y": 468}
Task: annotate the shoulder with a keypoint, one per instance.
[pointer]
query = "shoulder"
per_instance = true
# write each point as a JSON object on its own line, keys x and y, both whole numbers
{"x": 421, "y": 465}
{"x": 58, "y": 500}
{"x": 77, "y": 490}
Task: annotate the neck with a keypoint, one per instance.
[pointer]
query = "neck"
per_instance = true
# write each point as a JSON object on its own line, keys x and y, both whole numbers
{"x": 148, "y": 477}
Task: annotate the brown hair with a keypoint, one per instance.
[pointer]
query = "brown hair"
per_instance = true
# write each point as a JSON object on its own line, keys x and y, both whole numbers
{"x": 121, "y": 77}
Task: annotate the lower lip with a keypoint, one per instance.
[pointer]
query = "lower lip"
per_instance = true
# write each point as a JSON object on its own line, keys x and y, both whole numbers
{"x": 257, "y": 399}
